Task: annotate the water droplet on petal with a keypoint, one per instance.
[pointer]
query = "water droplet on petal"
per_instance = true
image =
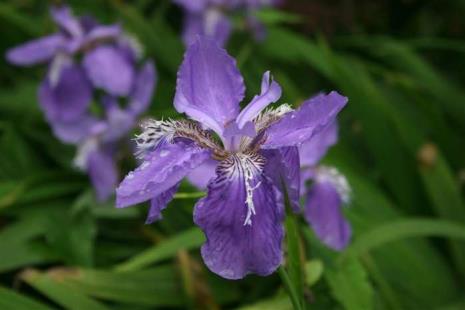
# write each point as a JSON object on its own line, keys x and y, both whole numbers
{"x": 164, "y": 153}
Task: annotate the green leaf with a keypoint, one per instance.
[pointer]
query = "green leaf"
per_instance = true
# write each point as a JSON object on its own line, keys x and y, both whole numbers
{"x": 186, "y": 240}
{"x": 278, "y": 302}
{"x": 313, "y": 271}
{"x": 150, "y": 287}
{"x": 60, "y": 293}
{"x": 350, "y": 285}
{"x": 12, "y": 300}
{"x": 402, "y": 229}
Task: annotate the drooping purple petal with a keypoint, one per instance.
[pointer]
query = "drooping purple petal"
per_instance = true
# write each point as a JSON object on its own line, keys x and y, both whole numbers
{"x": 283, "y": 167}
{"x": 108, "y": 69}
{"x": 76, "y": 131}
{"x": 201, "y": 176}
{"x": 209, "y": 87}
{"x": 66, "y": 20}
{"x": 270, "y": 93}
{"x": 314, "y": 149}
{"x": 162, "y": 169}
{"x": 142, "y": 91}
{"x": 241, "y": 217}
{"x": 323, "y": 212}
{"x": 35, "y": 51}
{"x": 119, "y": 122}
{"x": 159, "y": 203}
{"x": 103, "y": 173}
{"x": 69, "y": 99}
{"x": 311, "y": 118}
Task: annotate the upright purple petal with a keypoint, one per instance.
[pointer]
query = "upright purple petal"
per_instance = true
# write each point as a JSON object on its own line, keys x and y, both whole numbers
{"x": 35, "y": 51}
{"x": 69, "y": 99}
{"x": 311, "y": 118}
{"x": 142, "y": 91}
{"x": 193, "y": 6}
{"x": 270, "y": 93}
{"x": 159, "y": 203}
{"x": 241, "y": 217}
{"x": 103, "y": 173}
{"x": 110, "y": 70}
{"x": 162, "y": 169}
{"x": 65, "y": 19}
{"x": 217, "y": 26}
{"x": 192, "y": 28}
{"x": 314, "y": 149}
{"x": 323, "y": 212}
{"x": 203, "y": 174}
{"x": 283, "y": 167}
{"x": 210, "y": 86}
{"x": 103, "y": 32}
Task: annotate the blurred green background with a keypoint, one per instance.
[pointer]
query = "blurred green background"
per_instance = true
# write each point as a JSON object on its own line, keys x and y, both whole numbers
{"x": 402, "y": 148}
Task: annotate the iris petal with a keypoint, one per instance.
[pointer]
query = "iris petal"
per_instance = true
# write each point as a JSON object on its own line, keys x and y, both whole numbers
{"x": 314, "y": 149}
{"x": 323, "y": 212}
{"x": 235, "y": 246}
{"x": 210, "y": 86}
{"x": 311, "y": 118}
{"x": 162, "y": 169}
{"x": 35, "y": 51}
{"x": 159, "y": 203}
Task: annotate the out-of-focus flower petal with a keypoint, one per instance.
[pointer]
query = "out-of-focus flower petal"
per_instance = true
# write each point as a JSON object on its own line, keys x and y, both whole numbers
{"x": 241, "y": 217}
{"x": 161, "y": 170}
{"x": 193, "y": 27}
{"x": 314, "y": 149}
{"x": 103, "y": 173}
{"x": 201, "y": 176}
{"x": 108, "y": 69}
{"x": 323, "y": 212}
{"x": 311, "y": 118}
{"x": 76, "y": 131}
{"x": 192, "y": 6}
{"x": 119, "y": 122}
{"x": 159, "y": 203}
{"x": 217, "y": 26}
{"x": 103, "y": 32}
{"x": 65, "y": 19}
{"x": 35, "y": 51}
{"x": 209, "y": 87}
{"x": 69, "y": 99}
{"x": 270, "y": 93}
{"x": 283, "y": 167}
{"x": 142, "y": 91}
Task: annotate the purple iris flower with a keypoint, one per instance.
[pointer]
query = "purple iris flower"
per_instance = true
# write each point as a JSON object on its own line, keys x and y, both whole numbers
{"x": 108, "y": 58}
{"x": 211, "y": 18}
{"x": 328, "y": 192}
{"x": 83, "y": 56}
{"x": 242, "y": 213}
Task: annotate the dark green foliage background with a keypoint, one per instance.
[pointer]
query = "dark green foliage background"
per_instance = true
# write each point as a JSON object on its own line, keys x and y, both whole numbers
{"x": 402, "y": 147}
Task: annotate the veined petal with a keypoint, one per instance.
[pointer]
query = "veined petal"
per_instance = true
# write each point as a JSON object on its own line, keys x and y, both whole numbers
{"x": 159, "y": 203}
{"x": 241, "y": 217}
{"x": 109, "y": 69}
{"x": 66, "y": 20}
{"x": 311, "y": 118}
{"x": 35, "y": 51}
{"x": 270, "y": 93}
{"x": 142, "y": 91}
{"x": 314, "y": 149}
{"x": 283, "y": 167}
{"x": 103, "y": 173}
{"x": 323, "y": 212}
{"x": 209, "y": 86}
{"x": 203, "y": 174}
{"x": 167, "y": 165}
{"x": 68, "y": 100}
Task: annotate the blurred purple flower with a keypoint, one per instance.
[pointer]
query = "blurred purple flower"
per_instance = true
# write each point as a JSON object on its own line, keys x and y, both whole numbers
{"x": 211, "y": 18}
{"x": 327, "y": 194}
{"x": 83, "y": 56}
{"x": 243, "y": 210}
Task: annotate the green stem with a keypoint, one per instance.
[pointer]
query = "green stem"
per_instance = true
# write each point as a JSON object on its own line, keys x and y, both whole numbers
{"x": 290, "y": 289}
